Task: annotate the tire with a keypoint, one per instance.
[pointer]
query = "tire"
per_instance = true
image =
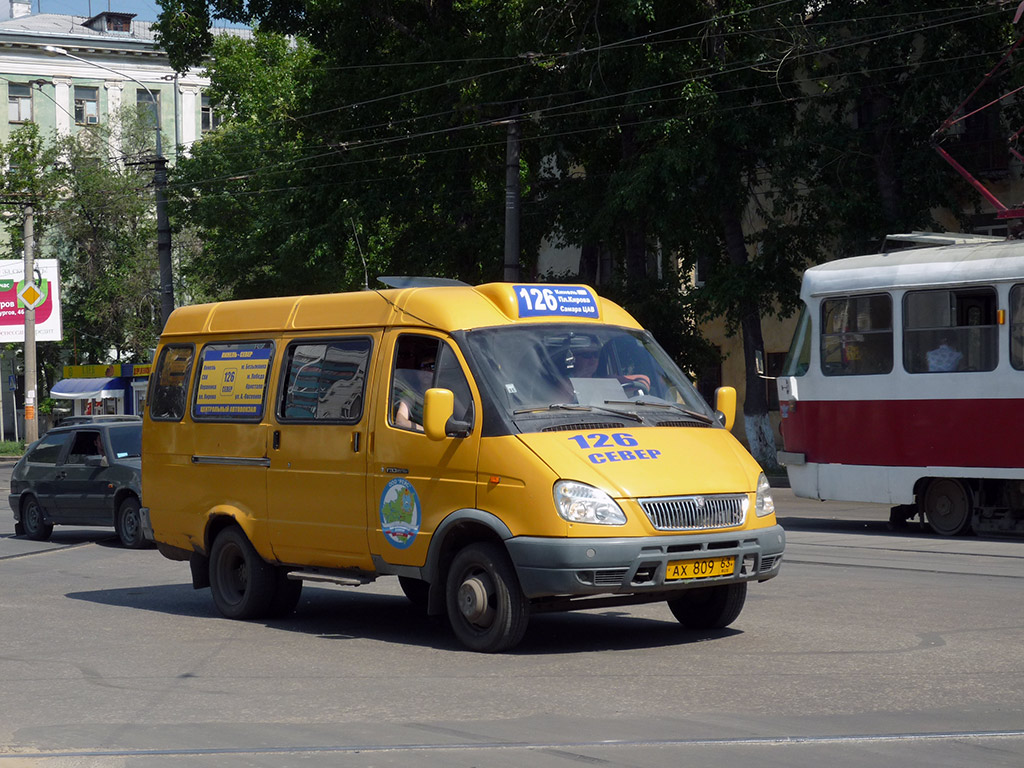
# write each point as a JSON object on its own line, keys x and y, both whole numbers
{"x": 128, "y": 524}
{"x": 416, "y": 590}
{"x": 242, "y": 582}
{"x": 947, "y": 506}
{"x": 709, "y": 607}
{"x": 286, "y": 595}
{"x": 33, "y": 520}
{"x": 486, "y": 606}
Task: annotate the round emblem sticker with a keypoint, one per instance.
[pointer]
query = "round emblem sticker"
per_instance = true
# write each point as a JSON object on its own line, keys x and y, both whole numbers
{"x": 400, "y": 513}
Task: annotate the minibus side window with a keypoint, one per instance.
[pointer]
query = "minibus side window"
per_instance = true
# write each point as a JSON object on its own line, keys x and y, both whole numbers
{"x": 325, "y": 381}
{"x": 232, "y": 381}
{"x": 856, "y": 335}
{"x": 950, "y": 330}
{"x": 423, "y": 362}
{"x": 169, "y": 384}
{"x": 1017, "y": 327}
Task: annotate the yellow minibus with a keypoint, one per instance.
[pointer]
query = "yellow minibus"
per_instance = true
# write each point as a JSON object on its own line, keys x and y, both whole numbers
{"x": 502, "y": 449}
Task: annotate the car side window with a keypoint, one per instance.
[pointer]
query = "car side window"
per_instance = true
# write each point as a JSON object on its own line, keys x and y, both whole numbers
{"x": 87, "y": 443}
{"x": 49, "y": 448}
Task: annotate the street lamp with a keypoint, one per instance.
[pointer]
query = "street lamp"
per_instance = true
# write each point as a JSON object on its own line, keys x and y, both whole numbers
{"x": 163, "y": 227}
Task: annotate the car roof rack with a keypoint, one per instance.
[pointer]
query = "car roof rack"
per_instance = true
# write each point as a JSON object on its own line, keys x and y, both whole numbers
{"x": 405, "y": 281}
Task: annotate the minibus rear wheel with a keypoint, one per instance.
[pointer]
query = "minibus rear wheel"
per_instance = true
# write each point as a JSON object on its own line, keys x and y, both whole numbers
{"x": 486, "y": 606}
{"x": 242, "y": 582}
{"x": 709, "y": 607}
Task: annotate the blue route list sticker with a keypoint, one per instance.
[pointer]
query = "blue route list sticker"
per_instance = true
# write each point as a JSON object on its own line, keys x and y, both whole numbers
{"x": 232, "y": 382}
{"x": 556, "y": 301}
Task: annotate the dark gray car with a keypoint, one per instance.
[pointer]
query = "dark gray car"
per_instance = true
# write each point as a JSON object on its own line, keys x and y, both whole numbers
{"x": 86, "y": 474}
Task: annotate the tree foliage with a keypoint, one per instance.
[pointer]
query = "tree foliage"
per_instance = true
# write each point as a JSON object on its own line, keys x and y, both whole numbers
{"x": 366, "y": 137}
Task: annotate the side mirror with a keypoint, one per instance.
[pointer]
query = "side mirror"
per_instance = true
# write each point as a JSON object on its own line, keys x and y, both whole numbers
{"x": 725, "y": 405}
{"x": 95, "y": 461}
{"x": 438, "y": 408}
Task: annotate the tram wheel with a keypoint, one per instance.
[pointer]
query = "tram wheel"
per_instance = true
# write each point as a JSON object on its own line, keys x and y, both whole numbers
{"x": 947, "y": 506}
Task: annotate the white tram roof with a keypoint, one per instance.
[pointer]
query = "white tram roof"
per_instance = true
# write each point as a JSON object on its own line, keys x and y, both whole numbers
{"x": 960, "y": 264}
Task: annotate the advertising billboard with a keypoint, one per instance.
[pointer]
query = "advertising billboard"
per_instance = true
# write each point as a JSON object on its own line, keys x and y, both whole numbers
{"x": 12, "y": 305}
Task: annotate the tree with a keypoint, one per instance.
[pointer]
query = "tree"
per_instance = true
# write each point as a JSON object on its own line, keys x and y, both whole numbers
{"x": 104, "y": 234}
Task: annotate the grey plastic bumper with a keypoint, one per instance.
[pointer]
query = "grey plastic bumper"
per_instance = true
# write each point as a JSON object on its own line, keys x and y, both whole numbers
{"x": 548, "y": 567}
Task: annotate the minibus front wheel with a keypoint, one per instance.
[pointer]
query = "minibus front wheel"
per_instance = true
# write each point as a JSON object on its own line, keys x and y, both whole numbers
{"x": 242, "y": 582}
{"x": 709, "y": 607}
{"x": 486, "y": 606}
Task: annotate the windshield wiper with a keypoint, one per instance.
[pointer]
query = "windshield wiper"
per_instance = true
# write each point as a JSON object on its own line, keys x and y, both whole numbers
{"x": 671, "y": 406}
{"x": 577, "y": 407}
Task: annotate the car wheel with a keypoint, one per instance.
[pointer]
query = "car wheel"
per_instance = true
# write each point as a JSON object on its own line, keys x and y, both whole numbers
{"x": 709, "y": 607}
{"x": 33, "y": 521}
{"x": 486, "y": 606}
{"x": 242, "y": 582}
{"x": 128, "y": 524}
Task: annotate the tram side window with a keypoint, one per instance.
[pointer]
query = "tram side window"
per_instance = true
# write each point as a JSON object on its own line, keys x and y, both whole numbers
{"x": 950, "y": 330}
{"x": 856, "y": 335}
{"x": 1017, "y": 327}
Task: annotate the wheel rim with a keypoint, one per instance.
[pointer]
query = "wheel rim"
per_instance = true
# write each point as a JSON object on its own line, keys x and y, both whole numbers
{"x": 130, "y": 524}
{"x": 32, "y": 521}
{"x": 476, "y": 599}
{"x": 947, "y": 507}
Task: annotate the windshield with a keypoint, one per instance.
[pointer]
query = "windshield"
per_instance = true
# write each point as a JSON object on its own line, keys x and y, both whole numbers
{"x": 538, "y": 369}
{"x": 126, "y": 442}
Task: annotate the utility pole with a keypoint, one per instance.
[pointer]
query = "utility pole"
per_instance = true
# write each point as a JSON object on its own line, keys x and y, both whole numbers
{"x": 31, "y": 425}
{"x": 512, "y": 200}
{"x": 163, "y": 236}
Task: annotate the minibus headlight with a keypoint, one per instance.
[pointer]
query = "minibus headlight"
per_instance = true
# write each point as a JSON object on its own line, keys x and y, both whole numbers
{"x": 580, "y": 503}
{"x": 763, "y": 504}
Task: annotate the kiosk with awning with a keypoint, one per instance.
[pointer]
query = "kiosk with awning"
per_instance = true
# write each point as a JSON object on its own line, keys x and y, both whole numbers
{"x": 116, "y": 389}
{"x": 94, "y": 396}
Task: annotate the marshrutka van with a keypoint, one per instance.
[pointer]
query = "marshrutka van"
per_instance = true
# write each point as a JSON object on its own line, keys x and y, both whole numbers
{"x": 502, "y": 449}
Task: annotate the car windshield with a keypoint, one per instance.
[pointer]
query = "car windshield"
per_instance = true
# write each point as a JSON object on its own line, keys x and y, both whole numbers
{"x": 126, "y": 441}
{"x": 555, "y": 368}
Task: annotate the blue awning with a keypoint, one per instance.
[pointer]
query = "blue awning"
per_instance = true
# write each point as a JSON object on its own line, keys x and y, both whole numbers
{"x": 81, "y": 389}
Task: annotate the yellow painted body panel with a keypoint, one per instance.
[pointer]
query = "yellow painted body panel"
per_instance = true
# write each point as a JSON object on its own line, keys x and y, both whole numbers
{"x": 314, "y": 495}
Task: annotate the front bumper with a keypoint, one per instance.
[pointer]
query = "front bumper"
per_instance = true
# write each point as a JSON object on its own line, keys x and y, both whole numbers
{"x": 551, "y": 567}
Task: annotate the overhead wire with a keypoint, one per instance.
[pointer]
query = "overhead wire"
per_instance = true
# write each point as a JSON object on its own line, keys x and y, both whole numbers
{"x": 553, "y": 110}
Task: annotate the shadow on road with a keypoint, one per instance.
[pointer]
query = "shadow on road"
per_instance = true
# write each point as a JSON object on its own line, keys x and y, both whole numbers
{"x": 344, "y": 615}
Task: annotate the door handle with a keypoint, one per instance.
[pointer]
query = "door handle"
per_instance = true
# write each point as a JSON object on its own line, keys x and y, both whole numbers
{"x": 62, "y": 475}
{"x": 277, "y": 439}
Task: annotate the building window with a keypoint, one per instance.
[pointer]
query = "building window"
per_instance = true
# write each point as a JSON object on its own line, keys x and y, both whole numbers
{"x": 210, "y": 119}
{"x": 19, "y": 103}
{"x": 87, "y": 105}
{"x": 149, "y": 103}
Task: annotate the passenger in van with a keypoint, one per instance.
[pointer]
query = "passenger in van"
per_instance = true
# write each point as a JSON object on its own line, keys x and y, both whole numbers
{"x": 944, "y": 358}
{"x": 411, "y": 386}
{"x": 586, "y": 362}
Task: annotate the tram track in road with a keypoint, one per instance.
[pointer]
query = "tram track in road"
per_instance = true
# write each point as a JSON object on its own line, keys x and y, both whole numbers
{"x": 574, "y": 750}
{"x": 53, "y": 548}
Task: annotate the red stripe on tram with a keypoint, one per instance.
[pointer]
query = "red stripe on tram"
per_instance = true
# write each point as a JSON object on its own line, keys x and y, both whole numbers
{"x": 908, "y": 433}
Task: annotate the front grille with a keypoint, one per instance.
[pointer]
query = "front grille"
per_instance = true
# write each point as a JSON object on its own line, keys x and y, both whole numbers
{"x": 584, "y": 425}
{"x": 695, "y": 513}
{"x": 768, "y": 562}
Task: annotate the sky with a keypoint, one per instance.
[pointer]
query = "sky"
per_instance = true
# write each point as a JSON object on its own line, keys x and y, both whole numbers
{"x": 144, "y": 10}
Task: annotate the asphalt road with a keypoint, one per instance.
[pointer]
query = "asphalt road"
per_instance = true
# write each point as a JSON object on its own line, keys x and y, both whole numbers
{"x": 871, "y": 648}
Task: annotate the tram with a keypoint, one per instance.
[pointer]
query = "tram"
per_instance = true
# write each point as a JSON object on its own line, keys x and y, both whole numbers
{"x": 904, "y": 385}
